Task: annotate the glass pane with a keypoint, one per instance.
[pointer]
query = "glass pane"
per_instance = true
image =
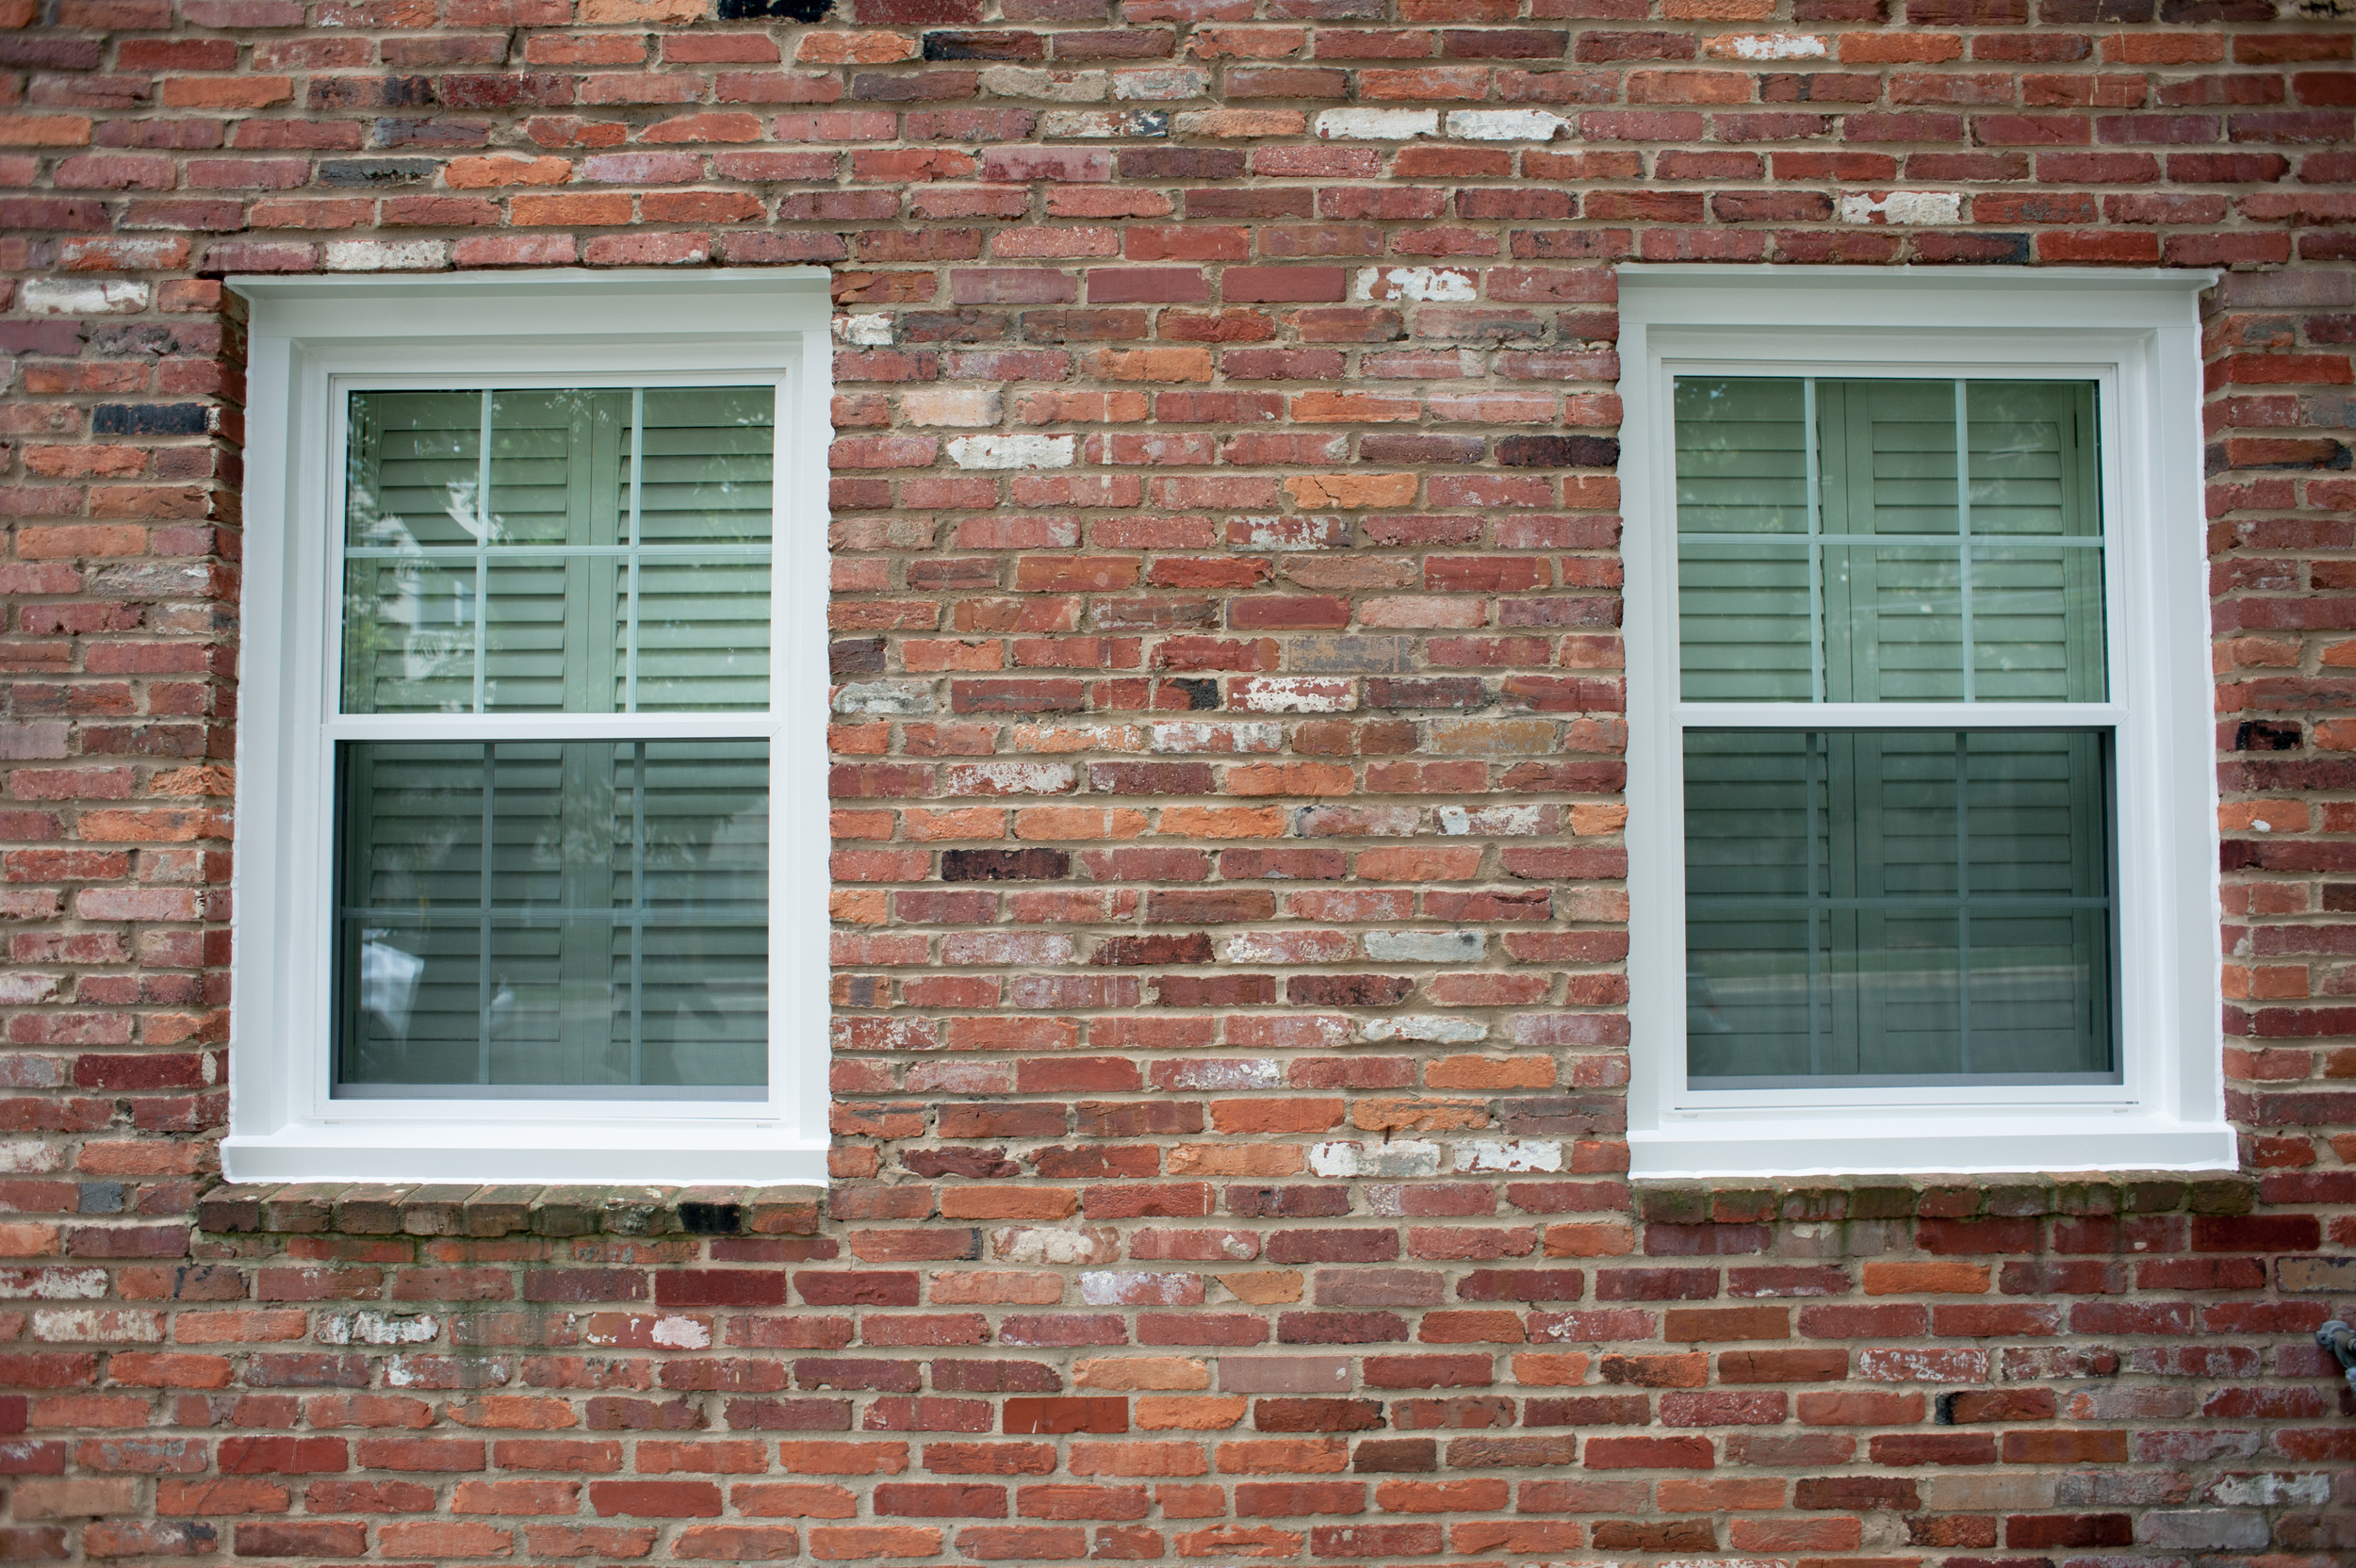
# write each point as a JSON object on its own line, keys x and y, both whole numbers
{"x": 409, "y": 636}
{"x": 549, "y": 569}
{"x": 1887, "y": 906}
{"x": 703, "y": 634}
{"x": 710, "y": 451}
{"x": 416, "y": 469}
{"x": 553, "y": 918}
{"x": 1744, "y": 610}
{"x": 2036, "y": 624}
{"x": 2032, "y": 451}
{"x": 1894, "y": 629}
{"x": 1889, "y": 456}
{"x": 1741, "y": 455}
{"x": 1947, "y": 550}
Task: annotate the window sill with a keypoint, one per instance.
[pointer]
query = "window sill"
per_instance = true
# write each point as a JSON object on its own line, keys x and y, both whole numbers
{"x": 1983, "y": 1145}
{"x": 640, "y": 1152}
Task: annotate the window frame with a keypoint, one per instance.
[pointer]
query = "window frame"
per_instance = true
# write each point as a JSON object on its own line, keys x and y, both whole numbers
{"x": 2135, "y": 335}
{"x": 311, "y": 341}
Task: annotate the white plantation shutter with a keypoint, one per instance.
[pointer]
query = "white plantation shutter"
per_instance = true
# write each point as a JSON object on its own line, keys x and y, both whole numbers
{"x": 700, "y": 967}
{"x": 703, "y": 622}
{"x": 1743, "y": 596}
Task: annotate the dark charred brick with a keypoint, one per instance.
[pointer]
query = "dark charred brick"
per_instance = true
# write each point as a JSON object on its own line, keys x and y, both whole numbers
{"x": 1005, "y": 865}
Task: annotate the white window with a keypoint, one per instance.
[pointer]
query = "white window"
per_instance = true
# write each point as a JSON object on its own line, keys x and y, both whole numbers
{"x": 1921, "y": 797}
{"x": 531, "y": 882}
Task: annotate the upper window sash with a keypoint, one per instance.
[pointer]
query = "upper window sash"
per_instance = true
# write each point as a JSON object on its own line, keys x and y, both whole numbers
{"x": 1795, "y": 598}
{"x": 492, "y": 581}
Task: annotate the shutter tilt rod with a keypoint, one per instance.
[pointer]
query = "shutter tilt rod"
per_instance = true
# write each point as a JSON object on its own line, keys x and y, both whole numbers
{"x": 2338, "y": 1338}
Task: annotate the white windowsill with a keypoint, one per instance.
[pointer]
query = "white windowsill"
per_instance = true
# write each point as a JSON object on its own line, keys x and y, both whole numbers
{"x": 1702, "y": 1146}
{"x": 572, "y": 1153}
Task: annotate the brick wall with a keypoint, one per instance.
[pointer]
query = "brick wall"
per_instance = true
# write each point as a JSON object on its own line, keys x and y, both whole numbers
{"x": 1226, "y": 577}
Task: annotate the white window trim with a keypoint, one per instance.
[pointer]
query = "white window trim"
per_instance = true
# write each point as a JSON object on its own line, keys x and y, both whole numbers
{"x": 307, "y": 334}
{"x": 2137, "y": 334}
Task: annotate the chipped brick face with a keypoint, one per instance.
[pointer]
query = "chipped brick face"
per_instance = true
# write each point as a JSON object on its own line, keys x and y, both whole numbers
{"x": 1226, "y": 576}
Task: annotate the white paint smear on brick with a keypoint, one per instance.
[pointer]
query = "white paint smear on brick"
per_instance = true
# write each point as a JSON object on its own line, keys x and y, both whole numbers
{"x": 1108, "y": 1288}
{"x": 1502, "y": 821}
{"x": 1903, "y": 207}
{"x": 1769, "y": 46}
{"x": 1160, "y": 83}
{"x": 1427, "y": 1026}
{"x": 2272, "y": 1490}
{"x": 1511, "y": 1155}
{"x": 884, "y": 696}
{"x": 1102, "y": 125}
{"x": 1014, "y": 778}
{"x": 1426, "y": 947}
{"x": 1506, "y": 124}
{"x": 97, "y": 1326}
{"x": 1198, "y": 737}
{"x": 1429, "y": 284}
{"x": 377, "y": 1328}
{"x": 864, "y": 331}
{"x": 1300, "y": 694}
{"x": 1231, "y": 1073}
{"x": 51, "y": 1284}
{"x": 1304, "y": 532}
{"x": 1014, "y": 452}
{"x": 1290, "y": 947}
{"x": 1037, "y": 1245}
{"x": 953, "y": 405}
{"x": 386, "y": 256}
{"x": 1054, "y": 87}
{"x": 1377, "y": 125}
{"x": 75, "y": 297}
{"x": 680, "y": 1334}
{"x": 1399, "y": 1157}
